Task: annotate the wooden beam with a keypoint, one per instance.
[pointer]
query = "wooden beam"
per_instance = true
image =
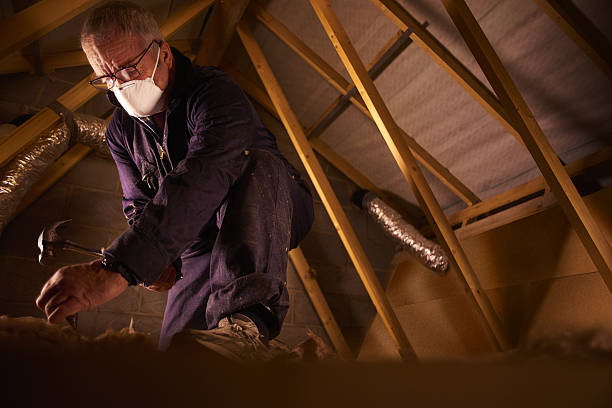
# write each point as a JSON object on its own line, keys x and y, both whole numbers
{"x": 529, "y": 188}
{"x": 305, "y": 52}
{"x": 68, "y": 59}
{"x": 340, "y": 99}
{"x": 342, "y": 85}
{"x": 219, "y": 30}
{"x": 253, "y": 90}
{"x": 319, "y": 146}
{"x": 441, "y": 55}
{"x": 32, "y": 23}
{"x": 75, "y": 97}
{"x": 581, "y": 30}
{"x": 184, "y": 15}
{"x": 317, "y": 298}
{"x": 408, "y": 165}
{"x": 536, "y": 142}
{"x": 324, "y": 189}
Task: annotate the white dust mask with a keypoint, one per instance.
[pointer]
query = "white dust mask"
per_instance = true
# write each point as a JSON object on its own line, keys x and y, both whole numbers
{"x": 141, "y": 97}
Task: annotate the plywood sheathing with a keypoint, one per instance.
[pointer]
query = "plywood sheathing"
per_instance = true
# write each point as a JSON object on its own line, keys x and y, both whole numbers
{"x": 536, "y": 272}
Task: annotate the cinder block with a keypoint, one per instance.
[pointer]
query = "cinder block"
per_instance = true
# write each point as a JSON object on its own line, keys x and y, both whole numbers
{"x": 93, "y": 172}
{"x": 293, "y": 279}
{"x": 358, "y": 221}
{"x": 20, "y": 237}
{"x": 322, "y": 222}
{"x": 303, "y": 311}
{"x": 153, "y": 302}
{"x": 339, "y": 280}
{"x": 51, "y": 206}
{"x": 93, "y": 324}
{"x": 147, "y": 324}
{"x": 380, "y": 254}
{"x": 96, "y": 209}
{"x": 126, "y": 302}
{"x": 21, "y": 280}
{"x": 324, "y": 249}
{"x": 351, "y": 311}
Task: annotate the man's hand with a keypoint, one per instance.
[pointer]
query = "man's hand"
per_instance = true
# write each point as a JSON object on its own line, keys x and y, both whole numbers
{"x": 78, "y": 287}
{"x": 165, "y": 281}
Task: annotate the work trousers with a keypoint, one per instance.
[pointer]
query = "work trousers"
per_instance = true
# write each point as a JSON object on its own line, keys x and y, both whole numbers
{"x": 240, "y": 258}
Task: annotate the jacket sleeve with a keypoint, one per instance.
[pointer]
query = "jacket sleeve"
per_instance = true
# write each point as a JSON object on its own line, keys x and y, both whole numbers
{"x": 135, "y": 195}
{"x": 221, "y": 128}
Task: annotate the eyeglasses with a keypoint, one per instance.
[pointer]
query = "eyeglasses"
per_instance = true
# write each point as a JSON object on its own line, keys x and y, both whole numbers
{"x": 128, "y": 73}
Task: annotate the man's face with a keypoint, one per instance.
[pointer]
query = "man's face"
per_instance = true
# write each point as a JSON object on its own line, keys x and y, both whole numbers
{"x": 123, "y": 50}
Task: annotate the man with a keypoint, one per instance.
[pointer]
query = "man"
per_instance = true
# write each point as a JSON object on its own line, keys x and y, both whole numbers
{"x": 206, "y": 192}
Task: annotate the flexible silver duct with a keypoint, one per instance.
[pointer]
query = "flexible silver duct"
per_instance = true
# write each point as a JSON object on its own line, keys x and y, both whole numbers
{"x": 20, "y": 174}
{"x": 427, "y": 252}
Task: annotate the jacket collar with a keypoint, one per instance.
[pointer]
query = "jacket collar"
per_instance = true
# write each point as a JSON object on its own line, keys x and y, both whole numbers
{"x": 183, "y": 77}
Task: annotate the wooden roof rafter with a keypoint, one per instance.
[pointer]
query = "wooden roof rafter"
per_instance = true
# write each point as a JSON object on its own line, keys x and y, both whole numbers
{"x": 582, "y": 31}
{"x": 32, "y": 23}
{"x": 409, "y": 168}
{"x": 326, "y": 193}
{"x": 343, "y": 86}
{"x": 441, "y": 55}
{"x": 533, "y": 137}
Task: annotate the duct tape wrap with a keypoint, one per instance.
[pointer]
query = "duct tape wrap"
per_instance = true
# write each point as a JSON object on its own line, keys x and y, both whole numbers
{"x": 427, "y": 252}
{"x": 20, "y": 174}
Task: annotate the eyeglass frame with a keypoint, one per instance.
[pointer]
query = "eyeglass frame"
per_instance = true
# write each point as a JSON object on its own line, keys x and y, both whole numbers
{"x": 113, "y": 76}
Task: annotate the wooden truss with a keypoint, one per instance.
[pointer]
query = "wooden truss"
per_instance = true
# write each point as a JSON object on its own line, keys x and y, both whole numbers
{"x": 510, "y": 110}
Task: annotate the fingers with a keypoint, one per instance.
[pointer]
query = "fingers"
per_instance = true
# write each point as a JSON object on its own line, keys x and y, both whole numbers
{"x": 59, "y": 313}
{"x": 54, "y": 302}
{"x": 49, "y": 290}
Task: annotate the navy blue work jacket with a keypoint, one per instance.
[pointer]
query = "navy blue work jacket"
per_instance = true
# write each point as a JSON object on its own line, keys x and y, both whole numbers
{"x": 175, "y": 180}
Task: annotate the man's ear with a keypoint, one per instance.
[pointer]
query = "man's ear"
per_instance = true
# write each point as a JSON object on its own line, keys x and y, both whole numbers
{"x": 166, "y": 54}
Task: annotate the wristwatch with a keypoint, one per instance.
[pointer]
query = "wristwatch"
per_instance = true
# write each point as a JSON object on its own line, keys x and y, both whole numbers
{"x": 111, "y": 264}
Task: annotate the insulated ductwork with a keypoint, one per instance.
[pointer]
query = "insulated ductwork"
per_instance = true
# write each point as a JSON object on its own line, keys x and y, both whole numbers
{"x": 20, "y": 174}
{"x": 427, "y": 252}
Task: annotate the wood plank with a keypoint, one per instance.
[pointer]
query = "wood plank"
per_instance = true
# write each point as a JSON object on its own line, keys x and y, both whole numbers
{"x": 344, "y": 166}
{"x": 183, "y": 15}
{"x": 338, "y": 100}
{"x": 343, "y": 86}
{"x": 32, "y": 23}
{"x": 68, "y": 59}
{"x": 443, "y": 57}
{"x": 53, "y": 174}
{"x": 573, "y": 169}
{"x": 324, "y": 189}
{"x": 305, "y": 52}
{"x": 252, "y": 89}
{"x": 219, "y": 30}
{"x": 26, "y": 134}
{"x": 317, "y": 298}
{"x": 261, "y": 97}
{"x": 536, "y": 142}
{"x": 581, "y": 30}
{"x": 515, "y": 213}
{"x": 408, "y": 165}
{"x": 15, "y": 63}
{"x": 75, "y": 97}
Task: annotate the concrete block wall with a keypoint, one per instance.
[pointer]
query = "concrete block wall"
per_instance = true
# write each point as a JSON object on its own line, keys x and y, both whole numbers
{"x": 90, "y": 195}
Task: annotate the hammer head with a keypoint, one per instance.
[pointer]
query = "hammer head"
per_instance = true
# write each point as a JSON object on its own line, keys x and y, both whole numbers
{"x": 49, "y": 240}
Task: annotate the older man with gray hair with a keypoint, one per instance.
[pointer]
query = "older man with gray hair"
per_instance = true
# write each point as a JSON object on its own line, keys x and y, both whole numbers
{"x": 207, "y": 194}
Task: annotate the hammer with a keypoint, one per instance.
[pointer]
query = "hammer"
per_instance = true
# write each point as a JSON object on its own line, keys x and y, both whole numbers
{"x": 49, "y": 241}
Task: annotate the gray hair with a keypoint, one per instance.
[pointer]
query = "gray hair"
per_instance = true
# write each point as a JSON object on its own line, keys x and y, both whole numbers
{"x": 120, "y": 17}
